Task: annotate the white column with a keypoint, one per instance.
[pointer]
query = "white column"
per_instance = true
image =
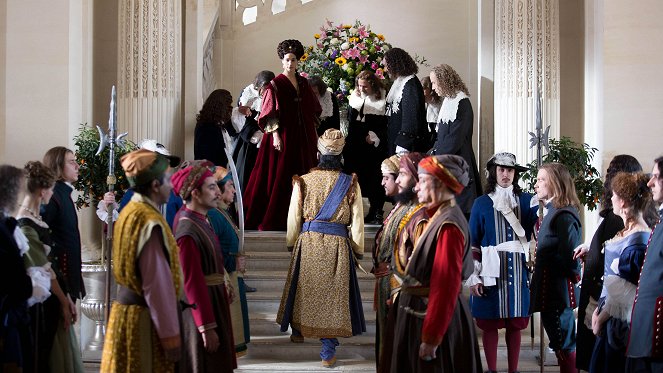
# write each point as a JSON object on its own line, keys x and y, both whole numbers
{"x": 526, "y": 63}
{"x": 149, "y": 71}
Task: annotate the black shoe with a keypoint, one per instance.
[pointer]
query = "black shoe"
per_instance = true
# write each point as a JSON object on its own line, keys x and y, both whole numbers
{"x": 249, "y": 289}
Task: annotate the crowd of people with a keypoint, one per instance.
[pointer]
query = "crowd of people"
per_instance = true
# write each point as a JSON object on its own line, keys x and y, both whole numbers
{"x": 181, "y": 300}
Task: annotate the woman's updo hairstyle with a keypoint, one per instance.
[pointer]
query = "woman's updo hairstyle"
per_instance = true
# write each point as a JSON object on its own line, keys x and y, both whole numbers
{"x": 39, "y": 176}
{"x": 290, "y": 46}
{"x": 632, "y": 188}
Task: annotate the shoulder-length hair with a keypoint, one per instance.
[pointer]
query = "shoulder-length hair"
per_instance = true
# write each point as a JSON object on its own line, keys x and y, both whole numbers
{"x": 491, "y": 180}
{"x": 54, "y": 159}
{"x": 561, "y": 185}
{"x": 373, "y": 81}
{"x": 450, "y": 81}
{"x": 427, "y": 84}
{"x": 399, "y": 63}
{"x": 10, "y": 187}
{"x": 217, "y": 108}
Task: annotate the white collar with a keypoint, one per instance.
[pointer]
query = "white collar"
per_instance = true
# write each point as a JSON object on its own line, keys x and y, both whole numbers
{"x": 449, "y": 108}
{"x": 396, "y": 92}
{"x": 503, "y": 198}
{"x": 327, "y": 105}
{"x": 370, "y": 104}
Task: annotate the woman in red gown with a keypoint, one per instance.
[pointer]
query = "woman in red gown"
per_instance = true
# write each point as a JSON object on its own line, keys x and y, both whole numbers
{"x": 288, "y": 116}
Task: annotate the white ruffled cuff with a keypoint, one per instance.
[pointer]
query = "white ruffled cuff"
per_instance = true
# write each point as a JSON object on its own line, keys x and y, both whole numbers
{"x": 41, "y": 284}
{"x": 102, "y": 212}
{"x": 621, "y": 294}
{"x": 401, "y": 150}
{"x": 374, "y": 138}
{"x": 589, "y": 311}
{"x": 237, "y": 119}
{"x": 474, "y": 277}
{"x": 256, "y": 138}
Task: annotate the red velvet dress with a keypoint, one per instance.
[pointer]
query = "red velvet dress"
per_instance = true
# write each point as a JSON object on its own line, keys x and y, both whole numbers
{"x": 268, "y": 192}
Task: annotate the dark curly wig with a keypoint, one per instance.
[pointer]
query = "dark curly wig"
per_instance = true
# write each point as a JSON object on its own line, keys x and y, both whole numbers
{"x": 39, "y": 176}
{"x": 399, "y": 63}
{"x": 374, "y": 81}
{"x": 10, "y": 187}
{"x": 262, "y": 78}
{"x": 217, "y": 108}
{"x": 317, "y": 82}
{"x": 620, "y": 163}
{"x": 449, "y": 80}
{"x": 290, "y": 46}
{"x": 491, "y": 180}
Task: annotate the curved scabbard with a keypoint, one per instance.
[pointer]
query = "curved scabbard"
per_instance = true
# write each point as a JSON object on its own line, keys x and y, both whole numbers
{"x": 239, "y": 205}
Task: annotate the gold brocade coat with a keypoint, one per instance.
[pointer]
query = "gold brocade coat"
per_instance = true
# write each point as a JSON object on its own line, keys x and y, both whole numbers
{"x": 132, "y": 343}
{"x": 321, "y": 304}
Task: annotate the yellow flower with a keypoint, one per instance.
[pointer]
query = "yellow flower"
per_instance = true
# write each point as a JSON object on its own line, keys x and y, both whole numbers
{"x": 347, "y": 27}
{"x": 353, "y": 39}
{"x": 304, "y": 57}
{"x": 340, "y": 61}
{"x": 317, "y": 36}
{"x": 380, "y": 36}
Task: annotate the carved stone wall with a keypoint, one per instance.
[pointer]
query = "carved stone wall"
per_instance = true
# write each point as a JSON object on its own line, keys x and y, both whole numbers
{"x": 526, "y": 65}
{"x": 149, "y": 71}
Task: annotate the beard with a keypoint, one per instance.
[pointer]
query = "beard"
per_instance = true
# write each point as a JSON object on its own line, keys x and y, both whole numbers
{"x": 406, "y": 196}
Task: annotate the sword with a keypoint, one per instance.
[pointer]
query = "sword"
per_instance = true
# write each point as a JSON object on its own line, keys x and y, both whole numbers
{"x": 109, "y": 139}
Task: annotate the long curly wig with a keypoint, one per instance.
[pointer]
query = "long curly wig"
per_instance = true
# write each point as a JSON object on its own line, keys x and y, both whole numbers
{"x": 427, "y": 84}
{"x": 491, "y": 180}
{"x": 450, "y": 81}
{"x": 399, "y": 63}
{"x": 373, "y": 81}
{"x": 217, "y": 108}
{"x": 39, "y": 176}
{"x": 10, "y": 187}
{"x": 290, "y": 46}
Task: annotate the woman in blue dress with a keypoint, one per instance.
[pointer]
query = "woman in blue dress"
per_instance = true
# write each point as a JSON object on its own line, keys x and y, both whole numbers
{"x": 624, "y": 256}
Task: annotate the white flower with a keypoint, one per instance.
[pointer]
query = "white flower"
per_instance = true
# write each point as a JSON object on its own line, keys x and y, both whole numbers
{"x": 334, "y": 41}
{"x": 385, "y": 48}
{"x": 353, "y": 31}
{"x": 345, "y": 45}
{"x": 345, "y": 66}
{"x": 378, "y": 60}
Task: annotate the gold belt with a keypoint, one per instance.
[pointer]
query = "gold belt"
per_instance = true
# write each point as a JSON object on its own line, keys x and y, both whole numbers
{"x": 418, "y": 291}
{"x": 214, "y": 279}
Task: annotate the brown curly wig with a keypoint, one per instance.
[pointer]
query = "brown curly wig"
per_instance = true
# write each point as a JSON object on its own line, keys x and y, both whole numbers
{"x": 262, "y": 78}
{"x": 39, "y": 176}
{"x": 450, "y": 81}
{"x": 290, "y": 46}
{"x": 427, "y": 84}
{"x": 374, "y": 81}
{"x": 632, "y": 188}
{"x": 399, "y": 63}
{"x": 317, "y": 82}
{"x": 217, "y": 108}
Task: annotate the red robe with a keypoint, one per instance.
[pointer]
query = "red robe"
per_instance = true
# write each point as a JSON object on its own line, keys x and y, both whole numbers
{"x": 269, "y": 188}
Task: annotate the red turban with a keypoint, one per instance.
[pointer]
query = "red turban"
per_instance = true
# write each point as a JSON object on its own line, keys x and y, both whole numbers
{"x": 409, "y": 161}
{"x": 451, "y": 170}
{"x": 189, "y": 178}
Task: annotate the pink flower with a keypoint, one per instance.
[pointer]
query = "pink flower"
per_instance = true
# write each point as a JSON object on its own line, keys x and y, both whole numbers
{"x": 361, "y": 46}
{"x": 379, "y": 73}
{"x": 303, "y": 74}
{"x": 320, "y": 45}
{"x": 374, "y": 66}
{"x": 323, "y": 30}
{"x": 362, "y": 32}
{"x": 363, "y": 59}
{"x": 329, "y": 23}
{"x": 354, "y": 53}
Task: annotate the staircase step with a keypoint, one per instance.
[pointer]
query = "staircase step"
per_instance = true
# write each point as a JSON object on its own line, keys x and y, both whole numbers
{"x": 270, "y": 281}
{"x": 279, "y": 347}
{"x": 275, "y": 240}
{"x": 264, "y": 324}
{"x": 255, "y": 365}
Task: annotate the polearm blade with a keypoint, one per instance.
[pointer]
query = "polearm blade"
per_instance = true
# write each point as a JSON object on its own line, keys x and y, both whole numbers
{"x": 239, "y": 205}
{"x": 540, "y": 140}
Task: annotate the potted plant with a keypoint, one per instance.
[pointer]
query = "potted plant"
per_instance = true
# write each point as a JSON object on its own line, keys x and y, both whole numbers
{"x": 577, "y": 158}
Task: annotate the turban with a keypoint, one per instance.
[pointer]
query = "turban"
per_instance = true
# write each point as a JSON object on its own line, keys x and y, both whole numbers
{"x": 331, "y": 142}
{"x": 409, "y": 161}
{"x": 189, "y": 178}
{"x": 222, "y": 175}
{"x": 142, "y": 166}
{"x": 451, "y": 170}
{"x": 390, "y": 165}
{"x": 505, "y": 159}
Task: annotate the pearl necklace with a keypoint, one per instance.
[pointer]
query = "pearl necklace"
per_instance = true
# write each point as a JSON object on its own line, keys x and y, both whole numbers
{"x": 31, "y": 212}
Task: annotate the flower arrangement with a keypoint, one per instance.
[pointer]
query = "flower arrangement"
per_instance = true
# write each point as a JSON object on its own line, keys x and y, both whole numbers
{"x": 93, "y": 169}
{"x": 578, "y": 159}
{"x": 341, "y": 52}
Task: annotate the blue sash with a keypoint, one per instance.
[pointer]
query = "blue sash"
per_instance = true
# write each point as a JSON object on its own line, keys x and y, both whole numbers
{"x": 321, "y": 221}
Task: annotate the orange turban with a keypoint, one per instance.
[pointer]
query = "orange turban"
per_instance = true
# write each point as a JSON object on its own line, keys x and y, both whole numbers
{"x": 451, "y": 170}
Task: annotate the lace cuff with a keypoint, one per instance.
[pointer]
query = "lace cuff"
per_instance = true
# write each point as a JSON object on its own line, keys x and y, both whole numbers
{"x": 619, "y": 301}
{"x": 272, "y": 125}
{"x": 474, "y": 277}
{"x": 41, "y": 284}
